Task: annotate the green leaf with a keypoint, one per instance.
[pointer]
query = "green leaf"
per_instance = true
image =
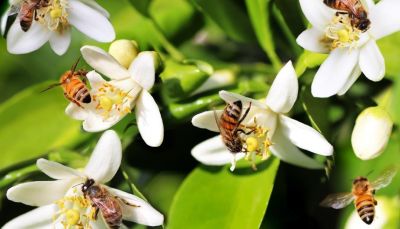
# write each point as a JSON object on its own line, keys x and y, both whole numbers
{"x": 229, "y": 16}
{"x": 142, "y": 6}
{"x": 389, "y": 47}
{"x": 259, "y": 11}
{"x": 214, "y": 197}
{"x": 33, "y": 123}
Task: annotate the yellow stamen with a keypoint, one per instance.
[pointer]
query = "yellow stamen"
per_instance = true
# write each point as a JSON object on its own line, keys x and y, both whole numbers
{"x": 252, "y": 144}
{"x": 55, "y": 13}
{"x": 72, "y": 217}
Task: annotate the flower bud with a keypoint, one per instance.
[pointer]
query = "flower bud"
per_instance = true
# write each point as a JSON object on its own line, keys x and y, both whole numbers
{"x": 371, "y": 133}
{"x": 124, "y": 51}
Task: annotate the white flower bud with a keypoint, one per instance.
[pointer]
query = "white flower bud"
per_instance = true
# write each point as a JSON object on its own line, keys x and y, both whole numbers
{"x": 371, "y": 133}
{"x": 124, "y": 51}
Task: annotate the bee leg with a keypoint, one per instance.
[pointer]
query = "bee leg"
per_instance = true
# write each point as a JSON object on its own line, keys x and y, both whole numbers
{"x": 244, "y": 132}
{"x": 245, "y": 114}
{"x": 96, "y": 212}
{"x": 126, "y": 202}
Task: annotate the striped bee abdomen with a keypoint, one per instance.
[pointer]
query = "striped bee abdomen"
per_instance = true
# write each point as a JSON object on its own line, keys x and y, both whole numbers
{"x": 366, "y": 208}
{"x": 229, "y": 122}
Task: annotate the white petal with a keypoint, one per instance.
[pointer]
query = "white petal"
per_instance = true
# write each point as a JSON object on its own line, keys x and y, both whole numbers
{"x": 142, "y": 69}
{"x": 56, "y": 170}
{"x": 317, "y": 13}
{"x": 207, "y": 120}
{"x": 371, "y": 61}
{"x": 93, "y": 4}
{"x": 334, "y": 73}
{"x": 230, "y": 97}
{"x": 354, "y": 76}
{"x": 310, "y": 40}
{"x": 76, "y": 112}
{"x": 20, "y": 42}
{"x": 144, "y": 214}
{"x": 214, "y": 152}
{"x": 95, "y": 122}
{"x": 265, "y": 118}
{"x": 283, "y": 92}
{"x": 385, "y": 18}
{"x": 304, "y": 136}
{"x": 4, "y": 21}
{"x": 287, "y": 152}
{"x": 106, "y": 158}
{"x": 39, "y": 218}
{"x": 39, "y": 193}
{"x": 103, "y": 62}
{"x": 60, "y": 42}
{"x": 149, "y": 120}
{"x": 90, "y": 22}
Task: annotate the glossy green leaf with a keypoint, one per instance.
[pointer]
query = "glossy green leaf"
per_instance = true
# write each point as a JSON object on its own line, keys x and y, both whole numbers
{"x": 390, "y": 47}
{"x": 23, "y": 118}
{"x": 229, "y": 16}
{"x": 214, "y": 197}
{"x": 141, "y": 6}
{"x": 259, "y": 11}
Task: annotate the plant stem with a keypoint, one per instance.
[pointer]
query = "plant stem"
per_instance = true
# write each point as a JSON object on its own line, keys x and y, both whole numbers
{"x": 132, "y": 186}
{"x": 169, "y": 47}
{"x": 285, "y": 29}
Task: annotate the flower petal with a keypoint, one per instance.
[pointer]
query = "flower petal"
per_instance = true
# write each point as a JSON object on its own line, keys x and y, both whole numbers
{"x": 317, "y": 13}
{"x": 90, "y": 22}
{"x": 39, "y": 193}
{"x": 385, "y": 18}
{"x": 230, "y": 97}
{"x": 93, "y": 4}
{"x": 287, "y": 152}
{"x": 94, "y": 122}
{"x": 310, "y": 40}
{"x": 76, "y": 112}
{"x": 56, "y": 170}
{"x": 38, "y": 218}
{"x": 20, "y": 42}
{"x": 106, "y": 158}
{"x": 60, "y": 42}
{"x": 265, "y": 118}
{"x": 304, "y": 136}
{"x": 142, "y": 69}
{"x": 214, "y": 152}
{"x": 149, "y": 120}
{"x": 371, "y": 61}
{"x": 143, "y": 214}
{"x": 283, "y": 92}
{"x": 207, "y": 120}
{"x": 103, "y": 62}
{"x": 354, "y": 76}
{"x": 334, "y": 72}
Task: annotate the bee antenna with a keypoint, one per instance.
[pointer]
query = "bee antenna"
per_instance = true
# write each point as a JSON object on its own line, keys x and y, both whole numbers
{"x": 369, "y": 173}
{"x": 50, "y": 87}
{"x": 78, "y": 184}
{"x": 75, "y": 64}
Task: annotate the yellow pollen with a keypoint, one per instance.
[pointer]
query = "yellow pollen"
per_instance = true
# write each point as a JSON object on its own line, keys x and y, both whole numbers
{"x": 252, "y": 144}
{"x": 344, "y": 35}
{"x": 341, "y": 33}
{"x": 72, "y": 217}
{"x": 105, "y": 103}
{"x": 55, "y": 13}
{"x": 112, "y": 101}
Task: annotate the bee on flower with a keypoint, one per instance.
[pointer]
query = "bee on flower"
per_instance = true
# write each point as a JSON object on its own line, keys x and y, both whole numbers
{"x": 348, "y": 31}
{"x": 80, "y": 199}
{"x": 39, "y": 21}
{"x": 264, "y": 128}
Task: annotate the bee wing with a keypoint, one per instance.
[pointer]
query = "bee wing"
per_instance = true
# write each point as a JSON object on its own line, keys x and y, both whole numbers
{"x": 14, "y": 9}
{"x": 384, "y": 178}
{"x": 337, "y": 200}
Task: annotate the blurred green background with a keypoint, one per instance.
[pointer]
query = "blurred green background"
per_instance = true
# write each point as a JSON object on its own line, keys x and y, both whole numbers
{"x": 250, "y": 39}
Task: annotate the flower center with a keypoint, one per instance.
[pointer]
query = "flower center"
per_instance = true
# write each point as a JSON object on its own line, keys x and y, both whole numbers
{"x": 112, "y": 101}
{"x": 257, "y": 144}
{"x": 54, "y": 15}
{"x": 341, "y": 33}
{"x": 75, "y": 211}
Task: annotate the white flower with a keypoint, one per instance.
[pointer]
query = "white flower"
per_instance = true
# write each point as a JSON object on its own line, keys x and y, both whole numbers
{"x": 351, "y": 51}
{"x": 371, "y": 133}
{"x": 54, "y": 25}
{"x": 61, "y": 202}
{"x": 112, "y": 100}
{"x": 274, "y": 131}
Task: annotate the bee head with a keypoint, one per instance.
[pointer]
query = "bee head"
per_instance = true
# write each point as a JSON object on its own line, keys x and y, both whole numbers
{"x": 361, "y": 184}
{"x": 363, "y": 24}
{"x": 88, "y": 183}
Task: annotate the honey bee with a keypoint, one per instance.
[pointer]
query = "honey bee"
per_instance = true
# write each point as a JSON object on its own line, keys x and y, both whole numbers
{"x": 354, "y": 8}
{"x": 103, "y": 201}
{"x": 362, "y": 193}
{"x": 74, "y": 86}
{"x": 229, "y": 125}
{"x": 27, "y": 11}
